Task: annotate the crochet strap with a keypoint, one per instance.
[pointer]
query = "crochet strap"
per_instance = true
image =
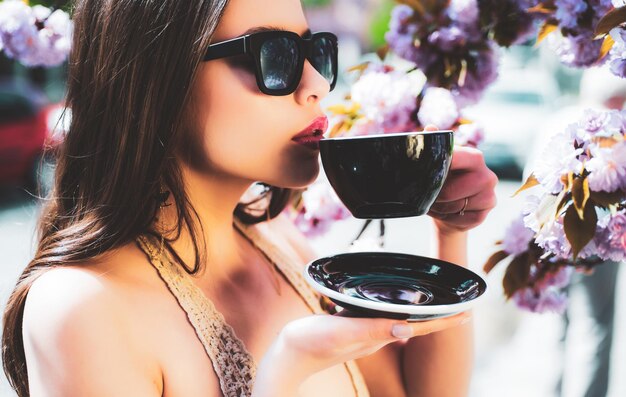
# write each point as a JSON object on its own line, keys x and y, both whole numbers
{"x": 233, "y": 364}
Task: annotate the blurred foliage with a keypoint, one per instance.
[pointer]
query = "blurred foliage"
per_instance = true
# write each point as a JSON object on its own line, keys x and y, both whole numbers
{"x": 316, "y": 3}
{"x": 380, "y": 23}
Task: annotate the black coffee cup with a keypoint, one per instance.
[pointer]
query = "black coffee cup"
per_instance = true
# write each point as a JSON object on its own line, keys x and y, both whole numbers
{"x": 390, "y": 175}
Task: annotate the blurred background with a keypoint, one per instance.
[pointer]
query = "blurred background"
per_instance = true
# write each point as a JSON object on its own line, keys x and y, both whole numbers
{"x": 517, "y": 353}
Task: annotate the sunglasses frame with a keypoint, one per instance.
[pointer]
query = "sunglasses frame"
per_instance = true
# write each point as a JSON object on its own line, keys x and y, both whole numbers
{"x": 251, "y": 44}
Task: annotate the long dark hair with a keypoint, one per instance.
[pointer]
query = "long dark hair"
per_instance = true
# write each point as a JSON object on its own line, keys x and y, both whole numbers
{"x": 130, "y": 72}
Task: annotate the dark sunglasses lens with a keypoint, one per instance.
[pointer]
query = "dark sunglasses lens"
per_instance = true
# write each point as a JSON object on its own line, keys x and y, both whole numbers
{"x": 279, "y": 59}
{"x": 323, "y": 58}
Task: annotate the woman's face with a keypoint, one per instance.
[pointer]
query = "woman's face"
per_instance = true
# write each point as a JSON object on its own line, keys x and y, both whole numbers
{"x": 247, "y": 134}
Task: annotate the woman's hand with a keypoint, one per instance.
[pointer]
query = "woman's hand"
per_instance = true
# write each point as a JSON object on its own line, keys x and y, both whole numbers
{"x": 468, "y": 193}
{"x": 311, "y": 344}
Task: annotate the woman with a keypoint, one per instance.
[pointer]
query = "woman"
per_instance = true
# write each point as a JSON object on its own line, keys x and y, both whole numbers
{"x": 151, "y": 278}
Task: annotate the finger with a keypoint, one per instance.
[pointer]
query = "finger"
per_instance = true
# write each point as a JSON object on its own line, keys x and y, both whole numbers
{"x": 431, "y": 127}
{"x": 466, "y": 221}
{"x": 467, "y": 184}
{"x": 466, "y": 158}
{"x": 408, "y": 330}
{"x": 386, "y": 330}
{"x": 452, "y": 207}
{"x": 484, "y": 200}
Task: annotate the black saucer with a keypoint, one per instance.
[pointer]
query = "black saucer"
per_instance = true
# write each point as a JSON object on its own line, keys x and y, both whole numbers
{"x": 393, "y": 285}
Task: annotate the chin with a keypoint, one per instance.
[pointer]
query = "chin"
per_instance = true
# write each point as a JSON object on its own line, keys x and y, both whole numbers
{"x": 299, "y": 176}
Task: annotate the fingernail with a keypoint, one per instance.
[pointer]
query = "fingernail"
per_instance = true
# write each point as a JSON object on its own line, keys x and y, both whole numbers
{"x": 466, "y": 320}
{"x": 402, "y": 331}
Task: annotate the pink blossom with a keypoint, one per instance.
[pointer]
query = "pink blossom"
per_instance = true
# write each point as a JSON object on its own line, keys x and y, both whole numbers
{"x": 556, "y": 279}
{"x": 611, "y": 236}
{"x": 465, "y": 12}
{"x": 439, "y": 108}
{"x": 546, "y": 295}
{"x": 471, "y": 134}
{"x": 541, "y": 301}
{"x": 551, "y": 237}
{"x": 34, "y": 36}
{"x": 321, "y": 208}
{"x": 388, "y": 98}
{"x": 517, "y": 237}
{"x": 559, "y": 158}
{"x": 607, "y": 168}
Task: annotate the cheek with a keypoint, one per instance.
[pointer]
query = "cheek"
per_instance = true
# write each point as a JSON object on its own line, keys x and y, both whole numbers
{"x": 248, "y": 147}
{"x": 247, "y": 134}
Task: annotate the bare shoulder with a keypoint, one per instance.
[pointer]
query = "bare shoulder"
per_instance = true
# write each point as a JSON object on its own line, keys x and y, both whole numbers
{"x": 94, "y": 288}
{"x": 66, "y": 294}
{"x": 78, "y": 339}
{"x": 59, "y": 295}
{"x": 283, "y": 226}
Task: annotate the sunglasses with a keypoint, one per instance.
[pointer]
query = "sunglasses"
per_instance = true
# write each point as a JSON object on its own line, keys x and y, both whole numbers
{"x": 278, "y": 57}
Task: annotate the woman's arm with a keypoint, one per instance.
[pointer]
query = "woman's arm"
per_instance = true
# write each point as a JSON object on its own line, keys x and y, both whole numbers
{"x": 440, "y": 364}
{"x": 437, "y": 364}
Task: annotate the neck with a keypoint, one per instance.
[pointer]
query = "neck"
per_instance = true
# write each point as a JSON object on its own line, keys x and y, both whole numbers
{"x": 214, "y": 198}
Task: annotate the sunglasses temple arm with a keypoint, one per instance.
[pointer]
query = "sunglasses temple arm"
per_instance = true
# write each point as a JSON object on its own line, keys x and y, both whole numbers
{"x": 226, "y": 49}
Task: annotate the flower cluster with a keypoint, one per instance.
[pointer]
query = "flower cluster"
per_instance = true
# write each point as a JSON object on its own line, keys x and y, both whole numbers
{"x": 509, "y": 21}
{"x": 576, "y": 21}
{"x": 455, "y": 42}
{"x": 387, "y": 99}
{"x": 577, "y": 216}
{"x": 34, "y": 36}
{"x": 446, "y": 42}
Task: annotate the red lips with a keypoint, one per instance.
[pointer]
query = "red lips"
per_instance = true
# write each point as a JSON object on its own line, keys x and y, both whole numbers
{"x": 311, "y": 135}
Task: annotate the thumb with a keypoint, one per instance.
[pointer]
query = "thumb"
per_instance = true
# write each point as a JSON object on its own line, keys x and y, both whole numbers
{"x": 431, "y": 127}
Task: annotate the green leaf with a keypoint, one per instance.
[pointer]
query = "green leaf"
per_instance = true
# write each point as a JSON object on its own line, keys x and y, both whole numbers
{"x": 604, "y": 199}
{"x": 494, "y": 260}
{"x": 612, "y": 19}
{"x": 580, "y": 232}
{"x": 379, "y": 22}
{"x": 530, "y": 182}
{"x": 517, "y": 275}
{"x": 580, "y": 195}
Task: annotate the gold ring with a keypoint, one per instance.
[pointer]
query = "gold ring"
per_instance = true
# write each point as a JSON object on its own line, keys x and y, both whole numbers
{"x": 462, "y": 212}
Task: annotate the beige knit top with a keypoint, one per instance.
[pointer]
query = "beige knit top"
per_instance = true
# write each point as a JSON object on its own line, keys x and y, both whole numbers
{"x": 233, "y": 364}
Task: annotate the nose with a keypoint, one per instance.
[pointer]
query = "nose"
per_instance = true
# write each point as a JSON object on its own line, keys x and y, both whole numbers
{"x": 313, "y": 86}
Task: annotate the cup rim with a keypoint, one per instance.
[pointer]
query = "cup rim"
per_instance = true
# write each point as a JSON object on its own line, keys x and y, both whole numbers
{"x": 396, "y": 134}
